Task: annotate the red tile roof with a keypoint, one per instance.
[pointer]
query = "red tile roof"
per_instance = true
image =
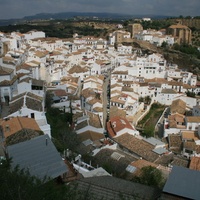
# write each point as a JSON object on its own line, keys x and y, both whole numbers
{"x": 16, "y": 124}
{"x": 195, "y": 163}
{"x": 120, "y": 123}
{"x": 60, "y": 93}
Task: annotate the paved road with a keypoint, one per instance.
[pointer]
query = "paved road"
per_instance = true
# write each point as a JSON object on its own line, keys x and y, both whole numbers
{"x": 4, "y": 111}
{"x": 160, "y": 124}
{"x": 105, "y": 100}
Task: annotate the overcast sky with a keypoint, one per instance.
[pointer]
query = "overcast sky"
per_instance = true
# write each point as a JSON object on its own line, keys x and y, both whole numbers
{"x": 20, "y": 8}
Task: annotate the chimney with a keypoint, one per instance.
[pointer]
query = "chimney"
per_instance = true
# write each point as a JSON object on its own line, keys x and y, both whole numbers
{"x": 7, "y": 128}
{"x": 46, "y": 141}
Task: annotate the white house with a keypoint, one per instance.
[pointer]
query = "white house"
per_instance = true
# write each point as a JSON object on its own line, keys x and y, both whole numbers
{"x": 89, "y": 122}
{"x": 166, "y": 96}
{"x": 124, "y": 49}
{"x": 34, "y": 34}
{"x": 192, "y": 122}
{"x": 118, "y": 126}
{"x": 8, "y": 84}
{"x": 39, "y": 117}
{"x": 31, "y": 85}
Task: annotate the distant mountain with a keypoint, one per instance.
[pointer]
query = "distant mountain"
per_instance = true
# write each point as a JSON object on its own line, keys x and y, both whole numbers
{"x": 70, "y": 15}
{"x": 67, "y": 15}
{"x": 6, "y": 22}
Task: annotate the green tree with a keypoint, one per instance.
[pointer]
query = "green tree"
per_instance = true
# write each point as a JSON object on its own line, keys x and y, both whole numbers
{"x": 187, "y": 49}
{"x": 188, "y": 17}
{"x": 148, "y": 131}
{"x": 97, "y": 95}
{"x": 190, "y": 94}
{"x": 141, "y": 99}
{"x": 125, "y": 23}
{"x": 147, "y": 99}
{"x": 62, "y": 131}
{"x": 19, "y": 185}
{"x": 150, "y": 176}
{"x": 164, "y": 44}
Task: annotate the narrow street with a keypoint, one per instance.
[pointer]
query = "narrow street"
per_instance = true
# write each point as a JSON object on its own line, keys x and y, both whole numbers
{"x": 4, "y": 110}
{"x": 106, "y": 99}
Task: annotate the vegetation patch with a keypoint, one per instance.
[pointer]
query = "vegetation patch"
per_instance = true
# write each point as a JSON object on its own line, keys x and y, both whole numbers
{"x": 63, "y": 135}
{"x": 150, "y": 176}
{"x": 149, "y": 121}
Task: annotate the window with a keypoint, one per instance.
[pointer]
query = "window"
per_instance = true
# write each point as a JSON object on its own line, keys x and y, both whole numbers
{"x": 188, "y": 151}
{"x": 33, "y": 115}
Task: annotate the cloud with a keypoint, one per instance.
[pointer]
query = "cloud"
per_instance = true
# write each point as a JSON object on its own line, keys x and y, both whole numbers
{"x": 21, "y": 8}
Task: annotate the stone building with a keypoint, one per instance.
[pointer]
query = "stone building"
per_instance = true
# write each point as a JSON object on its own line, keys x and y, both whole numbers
{"x": 181, "y": 33}
{"x": 135, "y": 29}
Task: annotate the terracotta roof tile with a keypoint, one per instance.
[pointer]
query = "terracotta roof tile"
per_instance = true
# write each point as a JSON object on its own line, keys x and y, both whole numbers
{"x": 142, "y": 163}
{"x": 16, "y": 124}
{"x": 120, "y": 72}
{"x": 175, "y": 142}
{"x": 189, "y": 135}
{"x": 178, "y": 26}
{"x": 94, "y": 100}
{"x": 194, "y": 119}
{"x": 77, "y": 69}
{"x": 114, "y": 111}
{"x": 32, "y": 101}
{"x": 195, "y": 163}
{"x": 176, "y": 119}
{"x": 119, "y": 123}
{"x": 98, "y": 109}
{"x": 94, "y": 120}
{"x": 5, "y": 71}
{"x": 168, "y": 91}
{"x": 178, "y": 106}
{"x": 93, "y": 136}
{"x": 7, "y": 82}
{"x": 60, "y": 93}
{"x": 137, "y": 146}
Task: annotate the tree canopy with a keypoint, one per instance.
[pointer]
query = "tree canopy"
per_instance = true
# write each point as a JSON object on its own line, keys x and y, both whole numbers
{"x": 150, "y": 176}
{"x": 19, "y": 185}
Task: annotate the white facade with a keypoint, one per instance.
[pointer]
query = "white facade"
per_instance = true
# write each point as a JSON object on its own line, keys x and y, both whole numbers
{"x": 190, "y": 101}
{"x": 34, "y": 34}
{"x": 39, "y": 117}
{"x": 8, "y": 87}
{"x": 155, "y": 37}
{"x": 166, "y": 97}
{"x": 192, "y": 122}
{"x": 51, "y": 59}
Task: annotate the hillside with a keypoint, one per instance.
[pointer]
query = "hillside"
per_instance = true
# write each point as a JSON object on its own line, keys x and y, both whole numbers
{"x": 184, "y": 61}
{"x": 66, "y": 29}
